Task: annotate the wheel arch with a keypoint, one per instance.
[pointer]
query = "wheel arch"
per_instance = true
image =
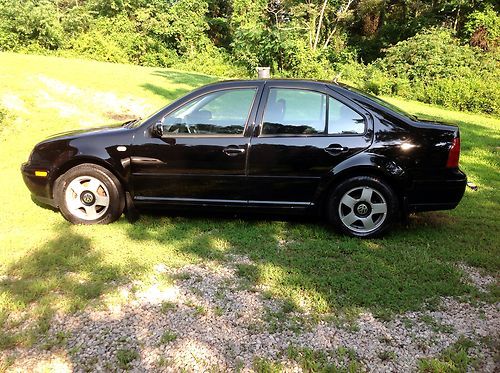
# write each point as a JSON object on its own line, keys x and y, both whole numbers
{"x": 396, "y": 181}
{"x": 69, "y": 164}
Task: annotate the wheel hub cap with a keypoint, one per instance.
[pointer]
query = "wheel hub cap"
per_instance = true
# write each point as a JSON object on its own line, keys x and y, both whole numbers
{"x": 362, "y": 209}
{"x": 87, "y": 198}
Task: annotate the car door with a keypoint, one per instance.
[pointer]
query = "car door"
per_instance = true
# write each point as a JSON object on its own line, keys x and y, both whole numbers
{"x": 303, "y": 131}
{"x": 201, "y": 154}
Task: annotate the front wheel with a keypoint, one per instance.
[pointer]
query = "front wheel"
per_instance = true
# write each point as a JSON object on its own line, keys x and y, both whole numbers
{"x": 89, "y": 194}
{"x": 363, "y": 206}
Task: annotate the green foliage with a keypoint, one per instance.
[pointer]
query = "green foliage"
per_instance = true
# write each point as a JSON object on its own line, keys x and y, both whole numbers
{"x": 432, "y": 54}
{"x": 263, "y": 365}
{"x": 489, "y": 21}
{"x": 454, "y": 359}
{"x": 317, "y": 361}
{"x": 167, "y": 337}
{"x": 210, "y": 60}
{"x": 76, "y": 20}
{"x": 112, "y": 40}
{"x": 3, "y": 115}
{"x": 301, "y": 61}
{"x": 125, "y": 357}
{"x": 432, "y": 67}
{"x": 296, "y": 39}
{"x": 29, "y": 22}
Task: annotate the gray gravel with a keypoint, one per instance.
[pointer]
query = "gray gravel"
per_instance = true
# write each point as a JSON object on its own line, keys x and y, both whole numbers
{"x": 209, "y": 319}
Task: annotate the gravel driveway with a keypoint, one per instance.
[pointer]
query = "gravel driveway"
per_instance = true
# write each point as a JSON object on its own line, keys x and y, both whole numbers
{"x": 208, "y": 318}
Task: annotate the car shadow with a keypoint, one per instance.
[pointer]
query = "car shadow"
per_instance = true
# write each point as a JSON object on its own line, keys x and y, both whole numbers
{"x": 298, "y": 259}
{"x": 307, "y": 262}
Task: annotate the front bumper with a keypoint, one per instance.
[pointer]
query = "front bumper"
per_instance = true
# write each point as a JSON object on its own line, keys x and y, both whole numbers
{"x": 437, "y": 194}
{"x": 39, "y": 186}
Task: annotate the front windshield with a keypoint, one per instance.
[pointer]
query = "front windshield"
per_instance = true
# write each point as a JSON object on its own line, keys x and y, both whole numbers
{"x": 382, "y": 102}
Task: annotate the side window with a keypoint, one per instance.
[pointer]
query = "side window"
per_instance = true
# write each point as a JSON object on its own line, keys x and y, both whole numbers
{"x": 342, "y": 120}
{"x": 218, "y": 113}
{"x": 294, "y": 112}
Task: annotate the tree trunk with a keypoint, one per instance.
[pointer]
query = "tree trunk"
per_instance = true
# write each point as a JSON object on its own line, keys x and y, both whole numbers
{"x": 320, "y": 24}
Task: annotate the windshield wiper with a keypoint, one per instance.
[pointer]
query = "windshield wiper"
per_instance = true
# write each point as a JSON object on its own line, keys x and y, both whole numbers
{"x": 130, "y": 123}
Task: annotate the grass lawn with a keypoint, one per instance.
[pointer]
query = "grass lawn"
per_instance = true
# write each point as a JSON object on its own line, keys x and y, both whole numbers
{"x": 47, "y": 265}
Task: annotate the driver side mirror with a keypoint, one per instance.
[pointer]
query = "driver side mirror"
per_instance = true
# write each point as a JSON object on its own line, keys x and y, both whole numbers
{"x": 158, "y": 129}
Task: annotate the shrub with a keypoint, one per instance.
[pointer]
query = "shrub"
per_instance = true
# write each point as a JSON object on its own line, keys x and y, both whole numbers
{"x": 108, "y": 39}
{"x": 212, "y": 61}
{"x": 432, "y": 67}
{"x": 301, "y": 61}
{"x": 429, "y": 55}
{"x": 26, "y": 22}
{"x": 483, "y": 28}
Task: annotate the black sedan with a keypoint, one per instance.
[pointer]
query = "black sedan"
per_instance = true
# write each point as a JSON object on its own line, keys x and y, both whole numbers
{"x": 275, "y": 145}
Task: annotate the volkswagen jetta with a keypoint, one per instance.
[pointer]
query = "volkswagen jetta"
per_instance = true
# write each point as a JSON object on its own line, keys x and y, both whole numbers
{"x": 279, "y": 145}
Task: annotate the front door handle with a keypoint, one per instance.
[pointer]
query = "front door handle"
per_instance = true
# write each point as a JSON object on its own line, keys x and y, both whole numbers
{"x": 233, "y": 151}
{"x": 335, "y": 149}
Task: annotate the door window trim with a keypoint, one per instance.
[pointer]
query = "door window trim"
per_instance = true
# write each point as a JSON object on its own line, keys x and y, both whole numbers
{"x": 328, "y": 95}
{"x": 245, "y": 132}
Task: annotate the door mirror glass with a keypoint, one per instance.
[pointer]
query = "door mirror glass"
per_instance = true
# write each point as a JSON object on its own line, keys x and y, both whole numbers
{"x": 158, "y": 129}
{"x": 218, "y": 113}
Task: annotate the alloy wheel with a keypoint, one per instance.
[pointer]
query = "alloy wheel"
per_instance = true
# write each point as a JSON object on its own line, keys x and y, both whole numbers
{"x": 363, "y": 209}
{"x": 87, "y": 198}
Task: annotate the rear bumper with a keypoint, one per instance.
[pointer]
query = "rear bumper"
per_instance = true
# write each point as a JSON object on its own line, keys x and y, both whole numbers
{"x": 39, "y": 186}
{"x": 437, "y": 194}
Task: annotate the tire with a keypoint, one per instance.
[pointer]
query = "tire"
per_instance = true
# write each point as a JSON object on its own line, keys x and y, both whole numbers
{"x": 363, "y": 206}
{"x": 89, "y": 194}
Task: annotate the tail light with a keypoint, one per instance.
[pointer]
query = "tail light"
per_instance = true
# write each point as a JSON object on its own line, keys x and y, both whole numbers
{"x": 454, "y": 154}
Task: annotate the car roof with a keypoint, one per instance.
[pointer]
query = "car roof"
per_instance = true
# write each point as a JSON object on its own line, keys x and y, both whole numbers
{"x": 296, "y": 83}
{"x": 275, "y": 80}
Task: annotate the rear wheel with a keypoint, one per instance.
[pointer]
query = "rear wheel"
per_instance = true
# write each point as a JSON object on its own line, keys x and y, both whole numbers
{"x": 89, "y": 194}
{"x": 363, "y": 206}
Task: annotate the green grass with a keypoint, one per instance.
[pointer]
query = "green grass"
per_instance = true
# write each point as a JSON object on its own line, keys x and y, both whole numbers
{"x": 317, "y": 361}
{"x": 48, "y": 264}
{"x": 125, "y": 357}
{"x": 454, "y": 359}
{"x": 167, "y": 337}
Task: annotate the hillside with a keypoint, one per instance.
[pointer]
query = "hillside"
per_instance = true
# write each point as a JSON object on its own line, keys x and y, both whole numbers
{"x": 48, "y": 266}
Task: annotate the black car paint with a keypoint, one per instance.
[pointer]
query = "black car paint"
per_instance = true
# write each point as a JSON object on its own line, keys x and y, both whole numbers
{"x": 293, "y": 172}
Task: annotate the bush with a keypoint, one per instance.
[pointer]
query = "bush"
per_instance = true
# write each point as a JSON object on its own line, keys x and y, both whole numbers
{"x": 483, "y": 28}
{"x": 112, "y": 40}
{"x": 29, "y": 22}
{"x": 212, "y": 61}
{"x": 432, "y": 67}
{"x": 303, "y": 62}
{"x": 430, "y": 55}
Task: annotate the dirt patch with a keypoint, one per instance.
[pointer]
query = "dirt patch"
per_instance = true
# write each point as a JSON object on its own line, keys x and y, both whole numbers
{"x": 88, "y": 106}
{"x": 120, "y": 117}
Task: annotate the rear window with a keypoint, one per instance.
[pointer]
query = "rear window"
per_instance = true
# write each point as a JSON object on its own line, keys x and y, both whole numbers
{"x": 342, "y": 120}
{"x": 381, "y": 102}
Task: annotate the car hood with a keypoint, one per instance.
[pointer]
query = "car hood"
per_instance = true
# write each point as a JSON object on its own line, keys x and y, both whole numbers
{"x": 118, "y": 127}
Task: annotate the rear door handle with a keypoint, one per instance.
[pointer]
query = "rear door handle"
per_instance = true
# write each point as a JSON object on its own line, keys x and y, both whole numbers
{"x": 233, "y": 151}
{"x": 336, "y": 149}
